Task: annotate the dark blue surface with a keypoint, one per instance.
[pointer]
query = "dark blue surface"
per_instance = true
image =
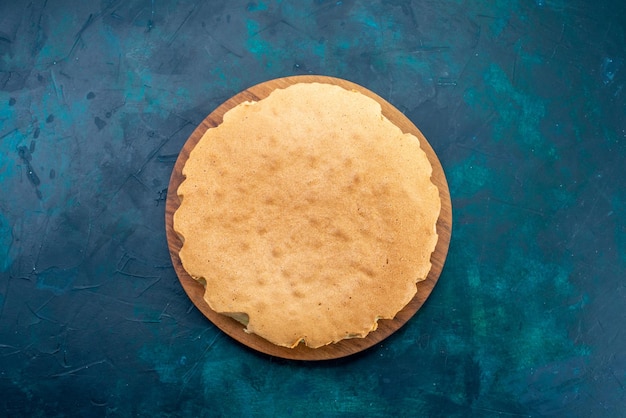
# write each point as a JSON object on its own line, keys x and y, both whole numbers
{"x": 523, "y": 101}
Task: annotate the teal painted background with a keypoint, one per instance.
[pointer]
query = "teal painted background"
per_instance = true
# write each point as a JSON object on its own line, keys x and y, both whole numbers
{"x": 523, "y": 101}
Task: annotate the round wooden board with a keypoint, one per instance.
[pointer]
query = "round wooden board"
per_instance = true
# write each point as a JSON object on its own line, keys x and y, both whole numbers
{"x": 345, "y": 347}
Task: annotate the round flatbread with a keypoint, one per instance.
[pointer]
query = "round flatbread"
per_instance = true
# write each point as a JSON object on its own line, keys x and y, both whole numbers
{"x": 308, "y": 215}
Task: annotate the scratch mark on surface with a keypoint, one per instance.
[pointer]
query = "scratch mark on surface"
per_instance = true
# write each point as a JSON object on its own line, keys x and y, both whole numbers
{"x": 79, "y": 34}
{"x": 514, "y": 71}
{"x": 175, "y": 34}
{"x": 151, "y": 20}
{"x": 163, "y": 311}
{"x": 39, "y": 316}
{"x": 164, "y": 266}
{"x": 78, "y": 369}
{"x": 288, "y": 24}
{"x": 7, "y": 346}
{"x": 496, "y": 411}
{"x": 137, "y": 15}
{"x": 127, "y": 259}
{"x": 487, "y": 122}
{"x": 446, "y": 81}
{"x": 119, "y": 64}
{"x": 136, "y": 177}
{"x": 167, "y": 158}
{"x": 580, "y": 225}
{"x": 8, "y": 133}
{"x": 518, "y": 206}
{"x": 146, "y": 161}
{"x": 139, "y": 276}
{"x": 111, "y": 299}
{"x": 58, "y": 91}
{"x": 619, "y": 382}
{"x": 189, "y": 374}
{"x": 41, "y": 243}
{"x": 5, "y": 293}
{"x": 158, "y": 279}
{"x": 427, "y": 48}
{"x": 473, "y": 149}
{"x": 477, "y": 37}
{"x": 87, "y": 287}
{"x": 186, "y": 120}
{"x": 6, "y": 80}
{"x": 227, "y": 49}
{"x": 158, "y": 148}
{"x": 144, "y": 321}
{"x": 86, "y": 246}
{"x": 16, "y": 350}
{"x": 559, "y": 42}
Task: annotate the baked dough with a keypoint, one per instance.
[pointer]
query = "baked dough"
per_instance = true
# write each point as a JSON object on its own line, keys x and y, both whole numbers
{"x": 308, "y": 215}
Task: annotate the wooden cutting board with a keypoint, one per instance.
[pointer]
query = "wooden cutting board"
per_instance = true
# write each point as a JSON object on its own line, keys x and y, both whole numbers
{"x": 195, "y": 290}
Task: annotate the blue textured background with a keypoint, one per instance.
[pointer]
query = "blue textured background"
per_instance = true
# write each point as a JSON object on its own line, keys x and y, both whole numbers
{"x": 523, "y": 101}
